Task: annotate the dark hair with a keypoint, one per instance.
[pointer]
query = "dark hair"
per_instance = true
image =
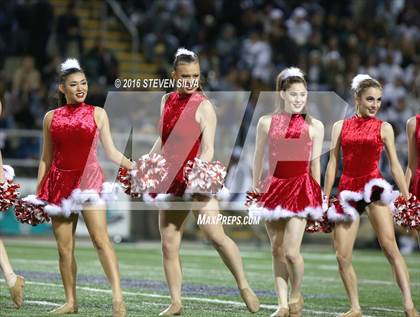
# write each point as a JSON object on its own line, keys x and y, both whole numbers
{"x": 181, "y": 58}
{"x": 366, "y": 84}
{"x": 62, "y": 78}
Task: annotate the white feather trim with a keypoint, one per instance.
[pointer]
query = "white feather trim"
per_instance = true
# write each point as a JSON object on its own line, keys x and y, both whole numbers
{"x": 70, "y": 63}
{"x": 223, "y": 194}
{"x": 184, "y": 51}
{"x": 110, "y": 191}
{"x": 355, "y": 83}
{"x": 78, "y": 198}
{"x": 33, "y": 200}
{"x": 387, "y": 196}
{"x": 345, "y": 197}
{"x": 279, "y": 213}
{"x": 292, "y": 72}
{"x": 334, "y": 216}
{"x": 9, "y": 172}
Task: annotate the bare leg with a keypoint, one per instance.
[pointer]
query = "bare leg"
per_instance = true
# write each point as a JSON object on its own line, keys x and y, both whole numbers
{"x": 6, "y": 267}
{"x": 96, "y": 224}
{"x": 171, "y": 226}
{"x": 15, "y": 283}
{"x": 344, "y": 238}
{"x": 381, "y": 220}
{"x": 292, "y": 240}
{"x": 275, "y": 230}
{"x": 228, "y": 251}
{"x": 64, "y": 232}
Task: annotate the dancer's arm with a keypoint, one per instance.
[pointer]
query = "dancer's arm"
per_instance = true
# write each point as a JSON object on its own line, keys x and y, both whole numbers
{"x": 206, "y": 118}
{"x": 412, "y": 152}
{"x": 261, "y": 139}
{"x": 111, "y": 151}
{"x": 332, "y": 166}
{"x": 2, "y": 180}
{"x": 317, "y": 141}
{"x": 157, "y": 146}
{"x": 47, "y": 149}
{"x": 387, "y": 134}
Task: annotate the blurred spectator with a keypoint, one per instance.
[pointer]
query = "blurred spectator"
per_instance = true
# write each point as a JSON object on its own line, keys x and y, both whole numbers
{"x": 299, "y": 29}
{"x": 393, "y": 91}
{"x": 100, "y": 64}
{"x": 256, "y": 55}
{"x": 69, "y": 31}
{"x": 27, "y": 78}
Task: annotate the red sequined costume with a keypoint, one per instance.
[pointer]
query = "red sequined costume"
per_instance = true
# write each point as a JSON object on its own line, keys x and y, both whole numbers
{"x": 181, "y": 140}
{"x": 75, "y": 176}
{"x": 415, "y": 182}
{"x": 361, "y": 181}
{"x": 289, "y": 190}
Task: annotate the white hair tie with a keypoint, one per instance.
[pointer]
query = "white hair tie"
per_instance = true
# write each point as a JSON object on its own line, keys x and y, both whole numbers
{"x": 355, "y": 83}
{"x": 184, "y": 51}
{"x": 292, "y": 72}
{"x": 70, "y": 63}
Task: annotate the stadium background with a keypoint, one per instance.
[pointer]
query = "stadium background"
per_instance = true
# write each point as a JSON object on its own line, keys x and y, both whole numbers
{"x": 242, "y": 46}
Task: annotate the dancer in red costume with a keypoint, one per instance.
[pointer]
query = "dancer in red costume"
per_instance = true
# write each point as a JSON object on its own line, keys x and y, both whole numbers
{"x": 413, "y": 169}
{"x": 188, "y": 124}
{"x": 362, "y": 187}
{"x": 71, "y": 181}
{"x": 291, "y": 192}
{"x": 15, "y": 282}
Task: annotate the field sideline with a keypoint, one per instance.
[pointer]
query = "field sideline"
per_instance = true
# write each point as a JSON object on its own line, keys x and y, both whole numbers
{"x": 209, "y": 288}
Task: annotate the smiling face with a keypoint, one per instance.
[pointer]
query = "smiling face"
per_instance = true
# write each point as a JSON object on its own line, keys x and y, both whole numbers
{"x": 369, "y": 101}
{"x": 295, "y": 98}
{"x": 188, "y": 75}
{"x": 75, "y": 88}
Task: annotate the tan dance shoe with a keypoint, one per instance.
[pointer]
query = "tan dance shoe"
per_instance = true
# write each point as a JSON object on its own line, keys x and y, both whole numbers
{"x": 296, "y": 309}
{"x": 17, "y": 291}
{"x": 251, "y": 300}
{"x": 65, "y": 309}
{"x": 411, "y": 313}
{"x": 173, "y": 310}
{"x": 281, "y": 312}
{"x": 119, "y": 309}
{"x": 352, "y": 313}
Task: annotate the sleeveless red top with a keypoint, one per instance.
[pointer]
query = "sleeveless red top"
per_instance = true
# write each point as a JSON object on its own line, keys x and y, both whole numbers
{"x": 181, "y": 137}
{"x": 362, "y": 146}
{"x": 74, "y": 136}
{"x": 415, "y": 183}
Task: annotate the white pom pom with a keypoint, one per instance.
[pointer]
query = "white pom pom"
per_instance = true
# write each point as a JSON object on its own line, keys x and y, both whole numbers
{"x": 70, "y": 63}
{"x": 292, "y": 72}
{"x": 184, "y": 51}
{"x": 9, "y": 172}
{"x": 355, "y": 83}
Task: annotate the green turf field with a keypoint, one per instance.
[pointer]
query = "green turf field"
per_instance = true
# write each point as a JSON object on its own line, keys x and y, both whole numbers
{"x": 209, "y": 289}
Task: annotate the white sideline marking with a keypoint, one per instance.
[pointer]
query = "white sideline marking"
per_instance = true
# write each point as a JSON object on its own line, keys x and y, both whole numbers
{"x": 196, "y": 299}
{"x": 41, "y": 302}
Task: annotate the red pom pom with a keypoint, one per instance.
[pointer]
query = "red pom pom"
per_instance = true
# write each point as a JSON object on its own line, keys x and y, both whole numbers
{"x": 252, "y": 198}
{"x": 30, "y": 213}
{"x": 322, "y": 225}
{"x": 204, "y": 177}
{"x": 125, "y": 179}
{"x": 149, "y": 173}
{"x": 407, "y": 213}
{"x": 8, "y": 194}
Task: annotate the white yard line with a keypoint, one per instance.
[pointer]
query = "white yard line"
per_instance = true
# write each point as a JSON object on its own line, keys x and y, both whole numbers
{"x": 196, "y": 299}
{"x": 41, "y": 302}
